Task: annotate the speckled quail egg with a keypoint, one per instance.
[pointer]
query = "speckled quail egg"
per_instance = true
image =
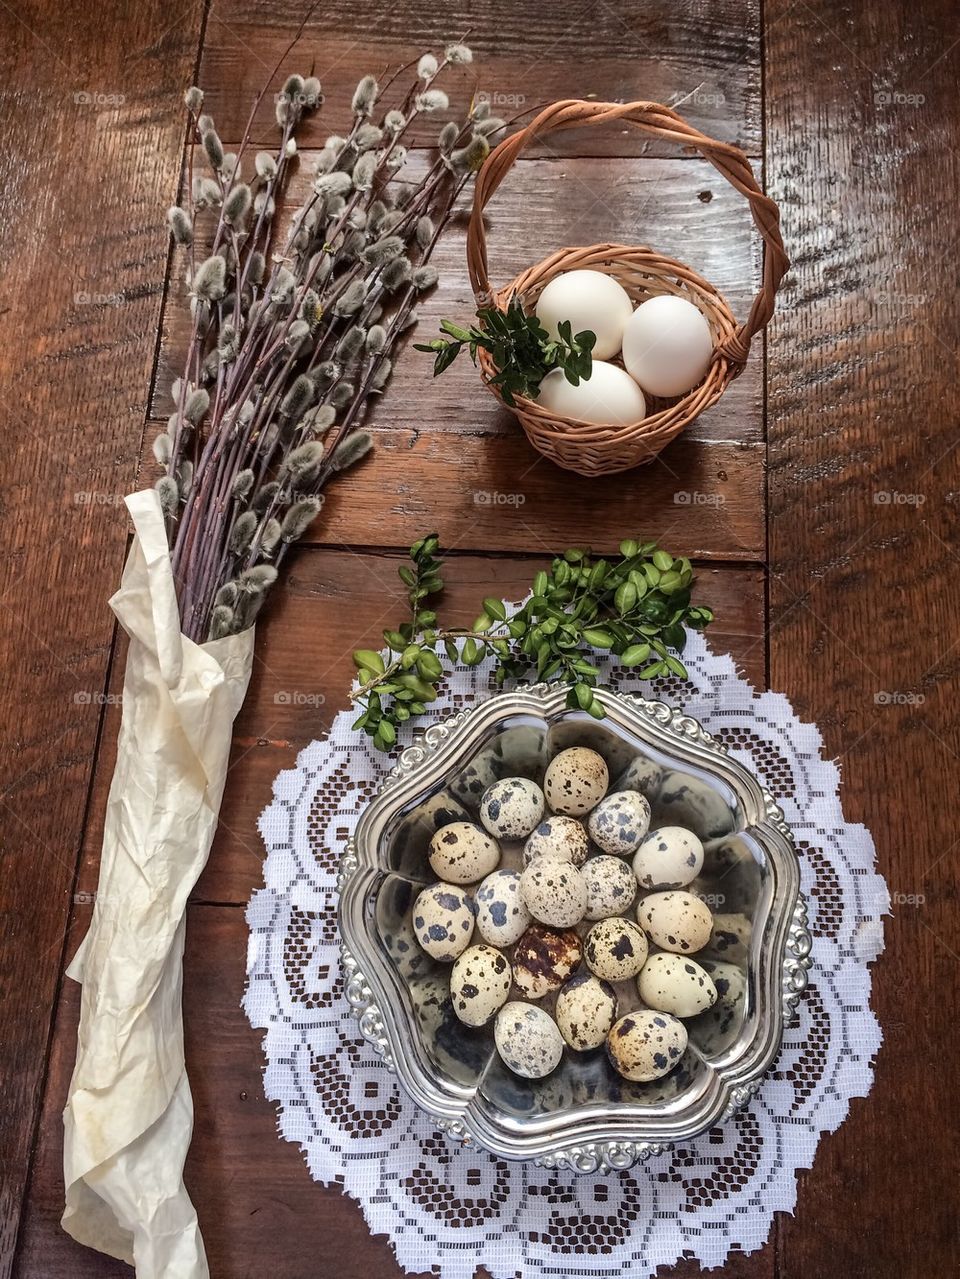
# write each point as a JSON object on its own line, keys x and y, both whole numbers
{"x": 615, "y": 949}
{"x": 469, "y": 784}
{"x": 557, "y": 836}
{"x": 554, "y": 892}
{"x": 619, "y": 822}
{"x": 675, "y": 984}
{"x": 462, "y": 853}
{"x": 543, "y": 960}
{"x": 527, "y": 1040}
{"x": 729, "y": 981}
{"x": 669, "y": 857}
{"x": 586, "y": 1009}
{"x": 480, "y": 982}
{"x": 675, "y": 921}
{"x": 646, "y": 1045}
{"x": 575, "y": 781}
{"x": 502, "y": 916}
{"x": 642, "y": 774}
{"x": 611, "y": 887}
{"x": 730, "y": 938}
{"x": 511, "y": 808}
{"x": 439, "y": 811}
{"x": 443, "y": 921}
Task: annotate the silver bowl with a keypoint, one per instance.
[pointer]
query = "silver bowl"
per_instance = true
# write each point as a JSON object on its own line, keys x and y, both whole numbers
{"x": 584, "y": 1116}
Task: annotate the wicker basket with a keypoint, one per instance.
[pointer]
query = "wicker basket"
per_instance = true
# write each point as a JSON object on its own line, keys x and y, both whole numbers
{"x": 585, "y": 447}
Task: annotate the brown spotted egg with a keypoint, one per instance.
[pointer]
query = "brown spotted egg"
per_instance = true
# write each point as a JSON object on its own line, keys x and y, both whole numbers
{"x": 575, "y": 781}
{"x": 586, "y": 1009}
{"x": 511, "y": 808}
{"x": 480, "y": 982}
{"x": 615, "y": 949}
{"x": 619, "y": 822}
{"x": 443, "y": 921}
{"x": 462, "y": 853}
{"x": 502, "y": 917}
{"x": 675, "y": 984}
{"x": 675, "y": 921}
{"x": 730, "y": 938}
{"x": 554, "y": 892}
{"x": 669, "y": 857}
{"x": 527, "y": 1040}
{"x": 543, "y": 960}
{"x": 611, "y": 886}
{"x": 560, "y": 837}
{"x": 646, "y": 1045}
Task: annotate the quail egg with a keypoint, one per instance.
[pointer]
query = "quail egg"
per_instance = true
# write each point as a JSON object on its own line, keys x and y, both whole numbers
{"x": 469, "y": 784}
{"x": 675, "y": 921}
{"x": 619, "y": 822}
{"x": 669, "y": 857}
{"x": 543, "y": 960}
{"x": 641, "y": 774}
{"x": 560, "y": 837}
{"x": 527, "y": 1040}
{"x": 502, "y": 916}
{"x": 646, "y": 1045}
{"x": 729, "y": 981}
{"x": 611, "y": 887}
{"x": 575, "y": 781}
{"x": 511, "y": 808}
{"x": 675, "y": 984}
{"x": 730, "y": 938}
{"x": 615, "y": 949}
{"x": 480, "y": 982}
{"x": 462, "y": 853}
{"x": 443, "y": 921}
{"x": 586, "y": 1009}
{"x": 554, "y": 892}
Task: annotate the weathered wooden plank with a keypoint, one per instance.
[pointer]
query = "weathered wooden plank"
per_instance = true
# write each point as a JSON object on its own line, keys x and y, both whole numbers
{"x": 525, "y": 57}
{"x": 331, "y": 603}
{"x": 90, "y": 149}
{"x": 865, "y": 588}
{"x": 684, "y": 209}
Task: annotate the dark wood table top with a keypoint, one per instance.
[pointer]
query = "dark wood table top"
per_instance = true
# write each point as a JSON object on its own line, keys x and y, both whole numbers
{"x": 830, "y": 548}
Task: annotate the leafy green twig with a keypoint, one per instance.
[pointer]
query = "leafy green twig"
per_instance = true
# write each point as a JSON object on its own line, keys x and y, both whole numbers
{"x": 636, "y": 607}
{"x": 521, "y": 349}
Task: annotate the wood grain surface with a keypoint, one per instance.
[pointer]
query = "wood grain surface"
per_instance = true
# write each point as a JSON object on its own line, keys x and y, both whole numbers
{"x": 858, "y": 418}
{"x": 862, "y": 128}
{"x": 90, "y": 148}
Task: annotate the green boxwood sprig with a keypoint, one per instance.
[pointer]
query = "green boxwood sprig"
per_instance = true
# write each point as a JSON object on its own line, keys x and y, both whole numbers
{"x": 636, "y": 607}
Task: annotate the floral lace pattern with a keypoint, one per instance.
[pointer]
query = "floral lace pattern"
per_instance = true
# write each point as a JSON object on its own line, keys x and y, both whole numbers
{"x": 451, "y": 1209}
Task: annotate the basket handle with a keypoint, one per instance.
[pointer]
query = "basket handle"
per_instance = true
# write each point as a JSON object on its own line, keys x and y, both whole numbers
{"x": 660, "y": 122}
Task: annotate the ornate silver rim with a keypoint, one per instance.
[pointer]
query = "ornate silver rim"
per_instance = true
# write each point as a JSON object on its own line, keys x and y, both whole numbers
{"x": 366, "y": 980}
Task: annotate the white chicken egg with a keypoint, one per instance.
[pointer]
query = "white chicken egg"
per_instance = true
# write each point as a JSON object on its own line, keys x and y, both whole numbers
{"x": 608, "y": 397}
{"x": 589, "y": 300}
{"x": 667, "y": 346}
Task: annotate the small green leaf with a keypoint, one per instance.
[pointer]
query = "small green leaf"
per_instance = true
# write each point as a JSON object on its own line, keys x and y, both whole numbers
{"x": 597, "y": 637}
{"x": 628, "y": 549}
{"x": 367, "y": 659}
{"x": 663, "y": 561}
{"x": 584, "y": 696}
{"x": 495, "y": 608}
{"x": 408, "y": 658}
{"x": 635, "y": 654}
{"x": 388, "y": 734}
{"x": 428, "y": 664}
{"x": 472, "y": 654}
{"x": 482, "y": 623}
{"x": 625, "y": 597}
{"x": 451, "y": 650}
{"x": 540, "y": 583}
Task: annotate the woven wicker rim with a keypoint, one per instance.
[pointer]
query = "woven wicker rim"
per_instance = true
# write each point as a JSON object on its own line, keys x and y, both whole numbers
{"x": 588, "y": 447}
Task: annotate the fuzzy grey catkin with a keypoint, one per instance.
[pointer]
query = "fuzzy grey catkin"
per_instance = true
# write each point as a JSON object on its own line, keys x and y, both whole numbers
{"x": 227, "y": 594}
{"x": 193, "y": 98}
{"x": 424, "y": 277}
{"x": 459, "y": 54}
{"x": 214, "y": 149}
{"x": 197, "y": 405}
{"x": 242, "y": 484}
{"x": 270, "y": 537}
{"x": 432, "y": 100}
{"x": 349, "y": 451}
{"x": 222, "y": 621}
{"x": 396, "y": 274}
{"x": 471, "y": 157}
{"x": 237, "y": 204}
{"x": 351, "y": 299}
{"x": 241, "y": 534}
{"x": 365, "y": 95}
{"x": 257, "y": 579}
{"x": 351, "y": 344}
{"x": 381, "y": 374}
{"x": 448, "y": 137}
{"x": 364, "y": 171}
{"x": 181, "y": 227}
{"x": 376, "y": 338}
{"x": 265, "y": 166}
{"x": 303, "y": 463}
{"x": 162, "y": 448}
{"x": 383, "y": 251}
{"x": 168, "y": 493}
{"x": 424, "y": 232}
{"x": 427, "y": 67}
{"x": 298, "y": 399}
{"x": 264, "y": 496}
{"x": 300, "y": 515}
{"x": 342, "y": 394}
{"x": 209, "y": 282}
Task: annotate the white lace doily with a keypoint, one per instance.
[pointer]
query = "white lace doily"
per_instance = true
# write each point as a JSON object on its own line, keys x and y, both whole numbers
{"x": 448, "y": 1210}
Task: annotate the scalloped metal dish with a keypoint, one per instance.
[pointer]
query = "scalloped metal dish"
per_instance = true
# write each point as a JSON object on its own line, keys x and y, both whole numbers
{"x": 585, "y": 1124}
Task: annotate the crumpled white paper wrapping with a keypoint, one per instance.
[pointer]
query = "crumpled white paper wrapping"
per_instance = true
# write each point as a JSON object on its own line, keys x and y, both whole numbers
{"x": 129, "y": 1113}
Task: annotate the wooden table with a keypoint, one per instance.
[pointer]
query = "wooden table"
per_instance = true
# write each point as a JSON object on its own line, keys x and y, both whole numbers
{"x": 824, "y": 513}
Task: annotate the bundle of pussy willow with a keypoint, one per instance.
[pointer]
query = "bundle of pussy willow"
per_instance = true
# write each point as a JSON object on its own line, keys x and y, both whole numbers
{"x": 293, "y": 330}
